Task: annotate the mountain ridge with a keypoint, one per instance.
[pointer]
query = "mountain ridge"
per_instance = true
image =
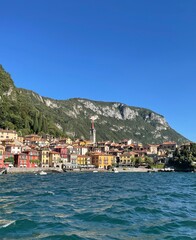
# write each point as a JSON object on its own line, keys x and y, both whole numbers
{"x": 28, "y": 112}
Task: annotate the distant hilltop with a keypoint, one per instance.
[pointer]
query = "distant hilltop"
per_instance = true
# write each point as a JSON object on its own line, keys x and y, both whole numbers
{"x": 27, "y": 112}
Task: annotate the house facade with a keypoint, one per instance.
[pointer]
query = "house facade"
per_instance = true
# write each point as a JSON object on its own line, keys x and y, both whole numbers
{"x": 84, "y": 161}
{"x": 102, "y": 160}
{"x": 14, "y": 149}
{"x": 44, "y": 157}
{"x": 27, "y": 159}
{"x": 2, "y": 150}
{"x": 126, "y": 159}
{"x": 54, "y": 159}
{"x": 8, "y": 134}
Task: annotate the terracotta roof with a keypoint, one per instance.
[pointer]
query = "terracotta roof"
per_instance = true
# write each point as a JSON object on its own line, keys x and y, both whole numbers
{"x": 53, "y": 152}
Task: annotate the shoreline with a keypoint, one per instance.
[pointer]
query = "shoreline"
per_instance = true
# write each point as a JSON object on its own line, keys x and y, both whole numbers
{"x": 58, "y": 170}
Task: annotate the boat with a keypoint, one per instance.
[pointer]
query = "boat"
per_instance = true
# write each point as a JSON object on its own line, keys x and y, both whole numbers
{"x": 95, "y": 171}
{"x": 43, "y": 173}
{"x": 115, "y": 170}
{"x": 167, "y": 169}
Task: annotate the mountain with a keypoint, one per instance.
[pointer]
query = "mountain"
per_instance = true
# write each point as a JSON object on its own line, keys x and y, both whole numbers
{"x": 28, "y": 112}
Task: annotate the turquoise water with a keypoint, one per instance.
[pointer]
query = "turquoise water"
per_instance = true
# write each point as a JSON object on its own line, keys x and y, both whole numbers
{"x": 98, "y": 206}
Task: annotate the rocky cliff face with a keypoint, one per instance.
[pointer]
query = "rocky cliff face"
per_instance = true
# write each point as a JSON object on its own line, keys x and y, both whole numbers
{"x": 29, "y": 112}
{"x": 115, "y": 121}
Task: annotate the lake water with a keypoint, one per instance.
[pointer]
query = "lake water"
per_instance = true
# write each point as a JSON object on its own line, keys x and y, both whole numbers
{"x": 98, "y": 206}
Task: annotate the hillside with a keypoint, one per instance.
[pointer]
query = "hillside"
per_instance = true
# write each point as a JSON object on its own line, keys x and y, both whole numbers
{"x": 28, "y": 112}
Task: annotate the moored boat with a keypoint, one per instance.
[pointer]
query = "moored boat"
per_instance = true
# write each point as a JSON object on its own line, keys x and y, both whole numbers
{"x": 43, "y": 173}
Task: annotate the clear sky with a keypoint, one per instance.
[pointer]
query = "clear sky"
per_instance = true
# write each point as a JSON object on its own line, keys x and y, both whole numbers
{"x": 138, "y": 52}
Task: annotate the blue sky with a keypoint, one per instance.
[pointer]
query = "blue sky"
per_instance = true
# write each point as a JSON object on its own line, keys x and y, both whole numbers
{"x": 141, "y": 53}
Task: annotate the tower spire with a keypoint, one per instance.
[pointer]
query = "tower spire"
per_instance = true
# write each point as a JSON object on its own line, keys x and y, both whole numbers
{"x": 93, "y": 130}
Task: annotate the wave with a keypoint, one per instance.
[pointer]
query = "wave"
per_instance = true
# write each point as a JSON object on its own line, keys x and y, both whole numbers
{"x": 8, "y": 224}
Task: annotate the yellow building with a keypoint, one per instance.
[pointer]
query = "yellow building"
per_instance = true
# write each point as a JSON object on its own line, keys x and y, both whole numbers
{"x": 8, "y": 134}
{"x": 54, "y": 159}
{"x": 44, "y": 157}
{"x": 68, "y": 141}
{"x": 102, "y": 160}
{"x": 83, "y": 160}
{"x": 127, "y": 158}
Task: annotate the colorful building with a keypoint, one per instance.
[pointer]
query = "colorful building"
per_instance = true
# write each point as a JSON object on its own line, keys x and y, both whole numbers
{"x": 102, "y": 160}
{"x": 62, "y": 150}
{"x": 20, "y": 160}
{"x": 14, "y": 149}
{"x": 8, "y": 134}
{"x": 167, "y": 146}
{"x": 126, "y": 159}
{"x": 84, "y": 161}
{"x": 2, "y": 150}
{"x": 28, "y": 159}
{"x": 44, "y": 157}
{"x": 54, "y": 159}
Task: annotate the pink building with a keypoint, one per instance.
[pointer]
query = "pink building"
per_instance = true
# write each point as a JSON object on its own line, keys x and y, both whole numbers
{"x": 62, "y": 151}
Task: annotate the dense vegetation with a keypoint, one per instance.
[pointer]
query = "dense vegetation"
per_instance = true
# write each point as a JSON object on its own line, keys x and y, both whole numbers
{"x": 184, "y": 157}
{"x": 18, "y": 112}
{"x": 27, "y": 112}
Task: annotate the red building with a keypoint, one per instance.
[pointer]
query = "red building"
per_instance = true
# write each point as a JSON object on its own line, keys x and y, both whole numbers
{"x": 2, "y": 149}
{"x": 29, "y": 159}
{"x": 20, "y": 160}
{"x": 1, "y": 160}
{"x": 62, "y": 151}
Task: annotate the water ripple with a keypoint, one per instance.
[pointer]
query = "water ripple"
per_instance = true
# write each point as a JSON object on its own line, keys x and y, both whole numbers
{"x": 98, "y": 206}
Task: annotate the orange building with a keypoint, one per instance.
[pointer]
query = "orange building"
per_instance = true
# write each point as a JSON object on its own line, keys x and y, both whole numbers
{"x": 83, "y": 160}
{"x": 102, "y": 160}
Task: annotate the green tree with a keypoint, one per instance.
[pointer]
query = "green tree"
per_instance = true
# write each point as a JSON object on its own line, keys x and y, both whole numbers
{"x": 132, "y": 161}
{"x": 149, "y": 161}
{"x": 182, "y": 159}
{"x": 35, "y": 126}
{"x": 40, "y": 122}
{"x": 138, "y": 161}
{"x": 44, "y": 125}
{"x": 193, "y": 149}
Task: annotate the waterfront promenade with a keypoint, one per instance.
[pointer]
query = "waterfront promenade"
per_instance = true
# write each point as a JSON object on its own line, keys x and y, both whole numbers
{"x": 58, "y": 170}
{"x": 32, "y": 170}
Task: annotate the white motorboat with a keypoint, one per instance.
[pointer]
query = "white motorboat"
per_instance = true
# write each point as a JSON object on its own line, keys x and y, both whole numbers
{"x": 43, "y": 173}
{"x": 115, "y": 170}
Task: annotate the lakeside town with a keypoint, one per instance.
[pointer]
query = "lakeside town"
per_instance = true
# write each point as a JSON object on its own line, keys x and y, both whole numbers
{"x": 31, "y": 152}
